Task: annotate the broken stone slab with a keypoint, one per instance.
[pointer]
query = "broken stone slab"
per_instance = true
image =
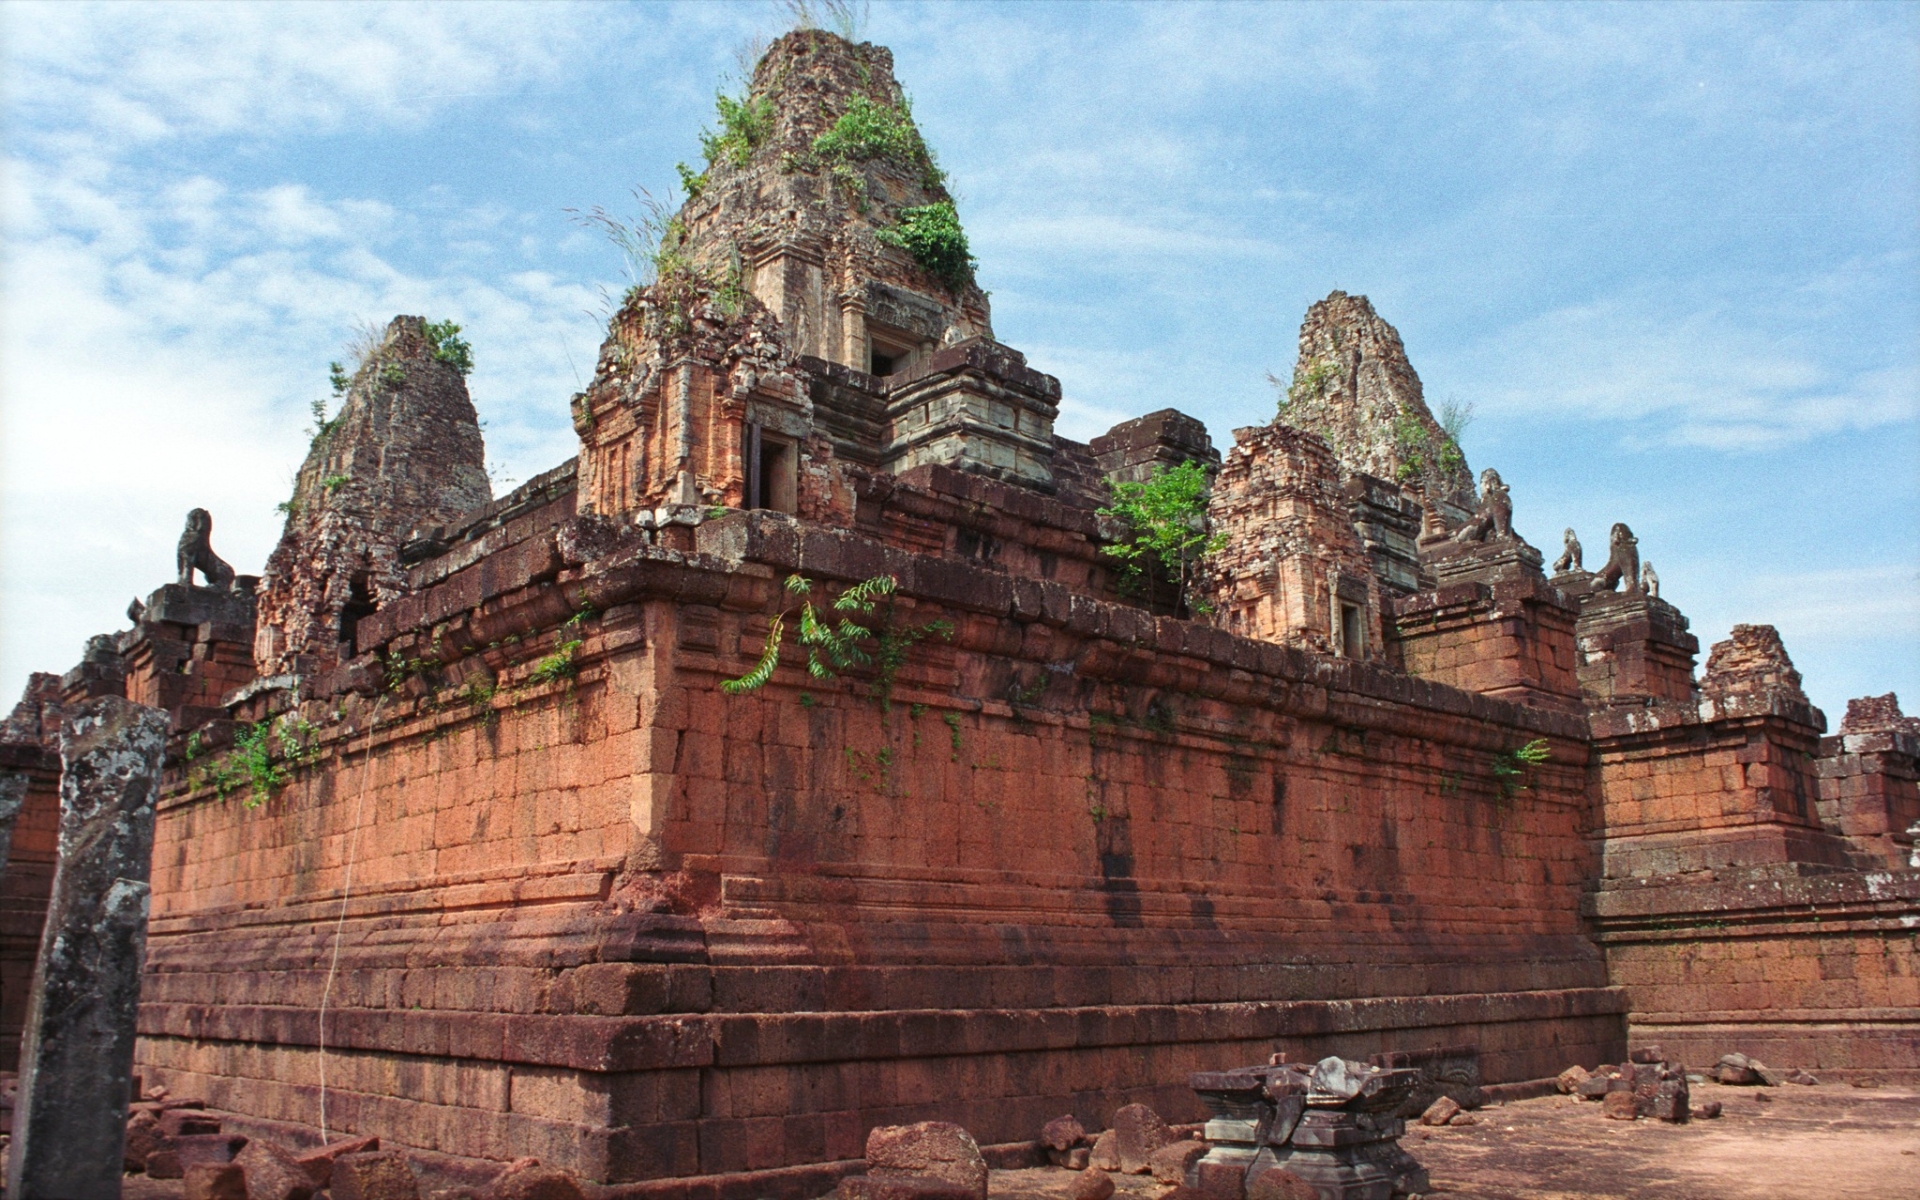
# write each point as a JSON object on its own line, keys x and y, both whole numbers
{"x": 1441, "y": 1111}
{"x": 931, "y": 1149}
{"x": 1620, "y": 1106}
{"x": 1803, "y": 1078}
{"x": 76, "y": 1054}
{"x": 1571, "y": 1078}
{"x": 1171, "y": 1162}
{"x": 144, "y": 1140}
{"x": 374, "y": 1175}
{"x": 1646, "y": 1054}
{"x": 195, "y": 1149}
{"x": 1463, "y": 1118}
{"x": 273, "y": 1173}
{"x": 180, "y": 1122}
{"x": 1137, "y": 1132}
{"x": 1105, "y": 1155}
{"x": 1594, "y": 1087}
{"x": 1709, "y": 1110}
{"x": 319, "y": 1163}
{"x": 1768, "y": 1076}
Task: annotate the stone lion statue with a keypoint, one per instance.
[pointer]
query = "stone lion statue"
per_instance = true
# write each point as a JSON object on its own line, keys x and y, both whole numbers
{"x": 1569, "y": 559}
{"x": 1494, "y": 516}
{"x": 1623, "y": 560}
{"x": 196, "y": 553}
{"x": 1649, "y": 580}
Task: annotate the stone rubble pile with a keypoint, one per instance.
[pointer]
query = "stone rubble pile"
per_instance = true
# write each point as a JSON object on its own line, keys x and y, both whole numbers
{"x": 1649, "y": 1085}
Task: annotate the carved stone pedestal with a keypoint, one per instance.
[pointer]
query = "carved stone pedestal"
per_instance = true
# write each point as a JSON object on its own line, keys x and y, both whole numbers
{"x": 1331, "y": 1124}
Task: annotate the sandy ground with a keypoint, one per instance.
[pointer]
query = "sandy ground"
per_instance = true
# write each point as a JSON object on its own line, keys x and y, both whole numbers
{"x": 1831, "y": 1142}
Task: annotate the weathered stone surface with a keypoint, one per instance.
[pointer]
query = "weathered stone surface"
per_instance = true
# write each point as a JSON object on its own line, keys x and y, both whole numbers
{"x": 13, "y": 794}
{"x": 273, "y": 1172}
{"x": 178, "y": 1122}
{"x": 1062, "y": 1133}
{"x": 319, "y": 1163}
{"x": 1281, "y": 1184}
{"x": 1169, "y": 1164}
{"x": 373, "y": 1175}
{"x": 69, "y": 1130}
{"x": 215, "y": 1181}
{"x": 1878, "y": 714}
{"x": 1463, "y": 1118}
{"x": 936, "y": 1149}
{"x": 143, "y": 1141}
{"x": 1571, "y": 1078}
{"x": 1137, "y": 1132}
{"x": 1092, "y": 1184}
{"x": 1752, "y": 662}
{"x": 1673, "y": 1100}
{"x": 1709, "y": 1110}
{"x": 529, "y": 1180}
{"x": 1620, "y": 1106}
{"x": 1646, "y": 1054}
{"x": 902, "y": 1187}
{"x": 1440, "y": 1111}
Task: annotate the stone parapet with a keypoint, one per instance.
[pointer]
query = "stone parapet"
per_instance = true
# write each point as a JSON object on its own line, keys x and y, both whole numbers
{"x": 1817, "y": 971}
{"x": 1513, "y": 639}
{"x": 975, "y": 407}
{"x": 1634, "y": 649}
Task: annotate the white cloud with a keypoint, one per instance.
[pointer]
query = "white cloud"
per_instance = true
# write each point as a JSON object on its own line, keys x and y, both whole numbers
{"x": 1698, "y": 378}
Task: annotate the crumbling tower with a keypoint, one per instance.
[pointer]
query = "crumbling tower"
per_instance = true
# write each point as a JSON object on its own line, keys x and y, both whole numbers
{"x": 813, "y": 308}
{"x": 403, "y": 453}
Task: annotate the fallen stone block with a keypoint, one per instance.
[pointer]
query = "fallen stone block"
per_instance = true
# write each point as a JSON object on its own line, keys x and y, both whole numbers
{"x": 1169, "y": 1164}
{"x": 1646, "y": 1054}
{"x": 164, "y": 1163}
{"x": 186, "y": 1122}
{"x": 1571, "y": 1078}
{"x": 1804, "y": 1078}
{"x": 1440, "y": 1111}
{"x": 216, "y": 1181}
{"x": 1078, "y": 1159}
{"x": 373, "y": 1175}
{"x": 1137, "y": 1132}
{"x": 1671, "y": 1102}
{"x": 1593, "y": 1088}
{"x": 273, "y": 1173}
{"x": 529, "y": 1180}
{"x": 1463, "y": 1118}
{"x": 1709, "y": 1110}
{"x": 936, "y": 1149}
{"x": 197, "y": 1148}
{"x": 1619, "y": 1106}
{"x": 1735, "y": 1069}
{"x": 319, "y": 1163}
{"x": 1092, "y": 1184}
{"x": 1768, "y": 1076}
{"x": 1062, "y": 1133}
{"x": 1105, "y": 1155}
{"x": 1281, "y": 1184}
{"x": 143, "y": 1141}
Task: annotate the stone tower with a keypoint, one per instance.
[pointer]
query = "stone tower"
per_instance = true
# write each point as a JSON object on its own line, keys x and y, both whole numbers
{"x": 1353, "y": 385}
{"x": 813, "y": 312}
{"x": 404, "y": 451}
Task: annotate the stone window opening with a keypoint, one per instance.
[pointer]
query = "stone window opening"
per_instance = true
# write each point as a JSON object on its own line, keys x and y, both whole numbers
{"x": 882, "y": 364}
{"x": 359, "y": 604}
{"x": 1353, "y": 631}
{"x": 889, "y": 353}
{"x": 773, "y": 471}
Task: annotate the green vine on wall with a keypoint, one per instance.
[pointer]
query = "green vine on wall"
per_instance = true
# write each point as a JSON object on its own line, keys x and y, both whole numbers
{"x": 1512, "y": 768}
{"x": 835, "y": 641}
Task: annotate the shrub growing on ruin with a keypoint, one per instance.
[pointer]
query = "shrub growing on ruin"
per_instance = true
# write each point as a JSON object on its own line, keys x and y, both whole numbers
{"x": 1167, "y": 534}
{"x": 447, "y": 346}
{"x": 833, "y": 639}
{"x": 745, "y": 123}
{"x": 931, "y": 233}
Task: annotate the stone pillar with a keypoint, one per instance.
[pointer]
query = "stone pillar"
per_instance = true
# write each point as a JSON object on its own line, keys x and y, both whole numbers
{"x": 13, "y": 794}
{"x": 69, "y": 1123}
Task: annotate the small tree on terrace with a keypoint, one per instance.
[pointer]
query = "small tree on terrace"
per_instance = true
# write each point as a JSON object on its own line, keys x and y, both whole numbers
{"x": 1166, "y": 519}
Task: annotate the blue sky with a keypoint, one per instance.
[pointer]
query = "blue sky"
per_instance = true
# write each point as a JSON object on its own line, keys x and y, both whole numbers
{"x": 1670, "y": 254}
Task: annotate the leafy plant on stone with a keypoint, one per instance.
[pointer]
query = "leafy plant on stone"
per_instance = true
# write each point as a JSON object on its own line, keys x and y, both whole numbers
{"x": 745, "y": 122}
{"x": 1166, "y": 520}
{"x": 253, "y": 761}
{"x": 1511, "y": 767}
{"x": 337, "y": 376}
{"x": 447, "y": 346}
{"x": 334, "y": 483}
{"x": 833, "y": 639}
{"x": 560, "y": 664}
{"x": 931, "y": 233}
{"x": 393, "y": 375}
{"x": 1305, "y": 386}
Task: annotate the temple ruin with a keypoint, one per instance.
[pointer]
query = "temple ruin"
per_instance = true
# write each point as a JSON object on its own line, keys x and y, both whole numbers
{"x": 463, "y": 843}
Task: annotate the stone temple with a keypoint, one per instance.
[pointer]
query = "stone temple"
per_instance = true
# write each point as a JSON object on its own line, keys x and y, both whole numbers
{"x": 524, "y": 879}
